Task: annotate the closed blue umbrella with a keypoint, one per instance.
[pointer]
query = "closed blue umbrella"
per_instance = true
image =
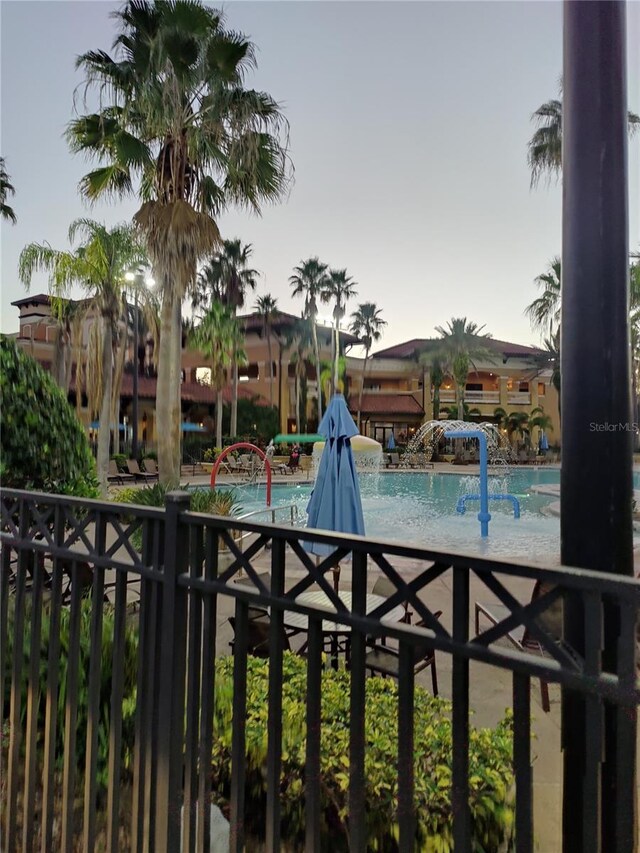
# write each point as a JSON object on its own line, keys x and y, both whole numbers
{"x": 96, "y": 425}
{"x": 335, "y": 502}
{"x": 391, "y": 444}
{"x": 544, "y": 442}
{"x": 185, "y": 426}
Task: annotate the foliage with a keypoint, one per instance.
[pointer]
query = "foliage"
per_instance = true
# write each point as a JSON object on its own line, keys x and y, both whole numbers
{"x": 544, "y": 311}
{"x": 6, "y": 189}
{"x": 366, "y": 324}
{"x": 178, "y": 129}
{"x": 309, "y": 279}
{"x": 255, "y": 421}
{"x": 121, "y": 461}
{"x": 340, "y": 287}
{"x": 544, "y": 153}
{"x": 463, "y": 343}
{"x": 203, "y": 499}
{"x": 129, "y": 693}
{"x": 489, "y": 759}
{"x": 44, "y": 446}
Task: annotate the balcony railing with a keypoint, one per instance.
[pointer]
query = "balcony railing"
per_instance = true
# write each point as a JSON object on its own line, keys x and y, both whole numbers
{"x": 484, "y": 397}
{"x": 519, "y": 398}
{"x": 177, "y": 568}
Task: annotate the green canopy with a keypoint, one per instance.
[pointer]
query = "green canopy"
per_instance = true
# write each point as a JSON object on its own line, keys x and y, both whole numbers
{"x": 294, "y": 438}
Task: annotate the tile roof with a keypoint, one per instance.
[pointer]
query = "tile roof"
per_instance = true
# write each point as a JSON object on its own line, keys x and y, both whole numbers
{"x": 408, "y": 349}
{"x": 387, "y": 404}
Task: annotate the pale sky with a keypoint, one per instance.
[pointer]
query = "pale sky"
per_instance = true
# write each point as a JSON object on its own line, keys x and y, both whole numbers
{"x": 409, "y": 127}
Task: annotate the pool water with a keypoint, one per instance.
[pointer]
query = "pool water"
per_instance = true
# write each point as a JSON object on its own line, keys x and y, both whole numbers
{"x": 419, "y": 508}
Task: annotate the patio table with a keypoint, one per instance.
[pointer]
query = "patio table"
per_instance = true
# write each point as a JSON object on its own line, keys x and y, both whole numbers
{"x": 318, "y": 598}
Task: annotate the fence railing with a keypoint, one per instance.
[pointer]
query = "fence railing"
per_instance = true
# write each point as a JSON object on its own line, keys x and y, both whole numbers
{"x": 160, "y": 576}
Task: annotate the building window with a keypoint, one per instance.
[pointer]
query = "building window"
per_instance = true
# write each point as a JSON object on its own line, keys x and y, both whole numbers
{"x": 473, "y": 386}
{"x": 523, "y": 387}
{"x": 248, "y": 372}
{"x": 541, "y": 389}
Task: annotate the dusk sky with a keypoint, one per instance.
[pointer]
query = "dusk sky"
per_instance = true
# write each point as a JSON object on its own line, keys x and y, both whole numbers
{"x": 409, "y": 127}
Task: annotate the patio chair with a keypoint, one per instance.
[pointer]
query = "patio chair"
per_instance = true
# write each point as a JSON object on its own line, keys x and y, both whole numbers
{"x": 394, "y": 460}
{"x": 134, "y": 470}
{"x": 383, "y": 586}
{"x": 383, "y": 660}
{"x": 258, "y": 633}
{"x": 550, "y": 620}
{"x": 151, "y": 466}
{"x": 116, "y": 476}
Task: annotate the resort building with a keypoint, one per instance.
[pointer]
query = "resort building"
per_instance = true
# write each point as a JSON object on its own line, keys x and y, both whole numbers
{"x": 398, "y": 394}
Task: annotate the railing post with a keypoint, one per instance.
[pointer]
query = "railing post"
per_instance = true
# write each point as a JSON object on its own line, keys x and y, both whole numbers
{"x": 170, "y": 734}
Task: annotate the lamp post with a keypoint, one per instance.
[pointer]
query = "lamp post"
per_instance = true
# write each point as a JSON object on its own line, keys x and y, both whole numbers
{"x": 139, "y": 278}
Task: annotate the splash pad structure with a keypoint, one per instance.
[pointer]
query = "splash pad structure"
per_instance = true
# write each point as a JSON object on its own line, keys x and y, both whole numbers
{"x": 484, "y": 516}
{"x": 367, "y": 454}
{"x": 427, "y": 438}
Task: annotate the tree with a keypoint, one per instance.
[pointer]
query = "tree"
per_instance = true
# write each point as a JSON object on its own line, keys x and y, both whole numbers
{"x": 267, "y": 307}
{"x": 98, "y": 264}
{"x": 44, "y": 446}
{"x": 309, "y": 279}
{"x": 463, "y": 344}
{"x": 538, "y": 419}
{"x": 339, "y": 287}
{"x": 299, "y": 338}
{"x": 6, "y": 189}
{"x": 544, "y": 311}
{"x": 435, "y": 363}
{"x": 228, "y": 277}
{"x": 177, "y": 128}
{"x": 552, "y": 360}
{"x": 218, "y": 336}
{"x": 367, "y": 325}
{"x": 545, "y": 146}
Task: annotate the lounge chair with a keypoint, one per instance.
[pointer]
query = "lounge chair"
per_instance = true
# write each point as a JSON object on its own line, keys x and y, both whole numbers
{"x": 116, "y": 476}
{"x": 134, "y": 469}
{"x": 384, "y": 660}
{"x": 394, "y": 460}
{"x": 550, "y": 619}
{"x": 151, "y": 466}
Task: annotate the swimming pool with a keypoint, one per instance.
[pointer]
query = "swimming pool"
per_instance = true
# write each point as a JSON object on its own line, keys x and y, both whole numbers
{"x": 419, "y": 508}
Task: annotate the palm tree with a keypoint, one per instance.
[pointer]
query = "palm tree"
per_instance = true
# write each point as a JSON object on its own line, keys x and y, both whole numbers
{"x": 267, "y": 307}
{"x": 230, "y": 276}
{"x": 462, "y": 344}
{"x": 552, "y": 360}
{"x": 544, "y": 311}
{"x": 218, "y": 336}
{"x": 340, "y": 287}
{"x": 545, "y": 146}
{"x": 435, "y": 363}
{"x": 539, "y": 419}
{"x": 309, "y": 279}
{"x": 6, "y": 189}
{"x": 177, "y": 128}
{"x": 300, "y": 339}
{"x": 367, "y": 325}
{"x": 98, "y": 264}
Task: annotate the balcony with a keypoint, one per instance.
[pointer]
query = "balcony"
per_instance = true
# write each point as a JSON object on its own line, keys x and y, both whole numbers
{"x": 482, "y": 397}
{"x": 519, "y": 398}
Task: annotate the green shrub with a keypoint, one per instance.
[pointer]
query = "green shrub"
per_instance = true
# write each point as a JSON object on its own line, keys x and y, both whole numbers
{"x": 150, "y": 454}
{"x": 490, "y": 759}
{"x": 44, "y": 446}
{"x": 129, "y": 694}
{"x": 121, "y": 461}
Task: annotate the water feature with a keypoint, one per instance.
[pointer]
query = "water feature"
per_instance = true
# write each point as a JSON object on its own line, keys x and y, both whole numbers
{"x": 430, "y": 434}
{"x": 367, "y": 454}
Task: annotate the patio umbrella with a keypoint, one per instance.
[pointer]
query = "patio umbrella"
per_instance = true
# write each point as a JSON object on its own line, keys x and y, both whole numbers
{"x": 185, "y": 426}
{"x": 335, "y": 502}
{"x": 544, "y": 442}
{"x": 391, "y": 444}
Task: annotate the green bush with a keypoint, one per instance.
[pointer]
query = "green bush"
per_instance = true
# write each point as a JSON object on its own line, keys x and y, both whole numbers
{"x": 203, "y": 499}
{"x": 129, "y": 694}
{"x": 121, "y": 461}
{"x": 490, "y": 757}
{"x": 44, "y": 446}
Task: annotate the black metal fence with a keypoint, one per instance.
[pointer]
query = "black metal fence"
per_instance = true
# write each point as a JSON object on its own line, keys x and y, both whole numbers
{"x": 166, "y": 567}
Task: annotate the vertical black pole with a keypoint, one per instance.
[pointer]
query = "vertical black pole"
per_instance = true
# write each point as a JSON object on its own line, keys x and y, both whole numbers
{"x": 134, "y": 434}
{"x": 596, "y": 490}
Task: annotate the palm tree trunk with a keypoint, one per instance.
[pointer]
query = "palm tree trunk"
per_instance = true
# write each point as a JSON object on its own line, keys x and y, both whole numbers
{"x": 219, "y": 418}
{"x": 104, "y": 432}
{"x": 116, "y": 384}
{"x": 460, "y": 395}
{"x": 233, "y": 429}
{"x": 436, "y": 403}
{"x": 298, "y": 424}
{"x": 270, "y": 367}
{"x": 316, "y": 353}
{"x": 364, "y": 370}
{"x": 168, "y": 391}
{"x": 336, "y": 358}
